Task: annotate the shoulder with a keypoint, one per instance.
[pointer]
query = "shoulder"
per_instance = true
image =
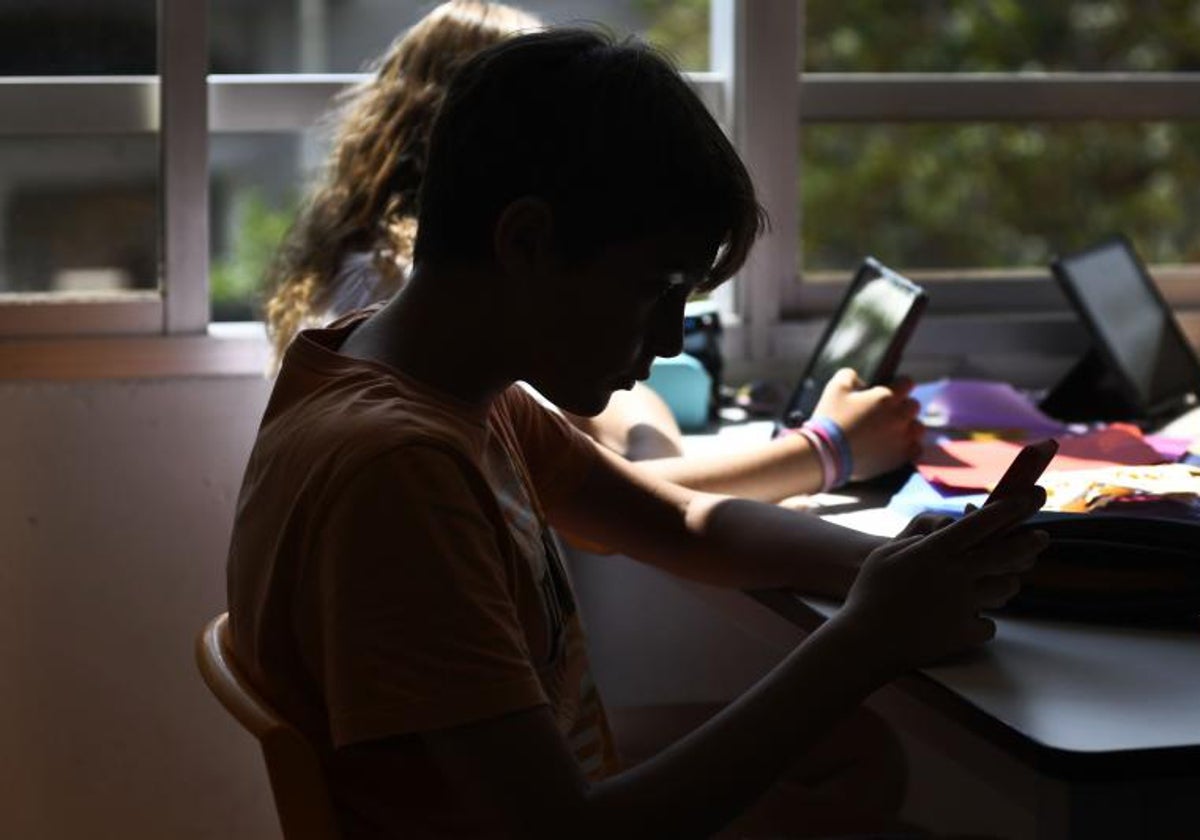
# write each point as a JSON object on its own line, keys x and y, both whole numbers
{"x": 557, "y": 454}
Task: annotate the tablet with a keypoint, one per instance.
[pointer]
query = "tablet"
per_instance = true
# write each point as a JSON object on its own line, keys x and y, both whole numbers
{"x": 868, "y": 332}
{"x": 1131, "y": 327}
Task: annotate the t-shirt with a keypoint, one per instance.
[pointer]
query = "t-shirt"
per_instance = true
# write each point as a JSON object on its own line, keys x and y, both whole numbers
{"x": 391, "y": 572}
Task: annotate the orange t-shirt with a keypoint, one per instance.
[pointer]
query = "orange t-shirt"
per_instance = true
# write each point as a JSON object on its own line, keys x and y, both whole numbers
{"x": 391, "y": 572}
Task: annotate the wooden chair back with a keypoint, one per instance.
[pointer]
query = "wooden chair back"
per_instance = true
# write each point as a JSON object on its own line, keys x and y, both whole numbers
{"x": 297, "y": 780}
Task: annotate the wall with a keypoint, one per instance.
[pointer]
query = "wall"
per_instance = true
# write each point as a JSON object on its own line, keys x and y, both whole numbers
{"x": 116, "y": 500}
{"x": 115, "y": 505}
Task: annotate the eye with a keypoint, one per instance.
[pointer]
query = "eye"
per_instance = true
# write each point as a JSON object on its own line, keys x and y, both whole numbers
{"x": 677, "y": 282}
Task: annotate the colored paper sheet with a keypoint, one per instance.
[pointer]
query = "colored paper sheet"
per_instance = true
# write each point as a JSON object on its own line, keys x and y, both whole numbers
{"x": 918, "y": 496}
{"x": 980, "y": 404}
{"x": 978, "y": 465}
{"x": 1171, "y": 448}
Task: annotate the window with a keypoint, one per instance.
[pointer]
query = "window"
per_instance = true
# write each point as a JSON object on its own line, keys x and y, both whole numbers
{"x": 964, "y": 143}
{"x": 79, "y": 173}
{"x": 961, "y": 194}
{"x": 142, "y": 189}
{"x": 298, "y": 56}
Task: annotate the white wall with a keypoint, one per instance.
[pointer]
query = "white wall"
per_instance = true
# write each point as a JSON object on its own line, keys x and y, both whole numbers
{"x": 116, "y": 500}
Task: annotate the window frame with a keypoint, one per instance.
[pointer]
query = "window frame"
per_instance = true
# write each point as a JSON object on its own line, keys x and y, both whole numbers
{"x": 769, "y": 311}
{"x": 773, "y": 312}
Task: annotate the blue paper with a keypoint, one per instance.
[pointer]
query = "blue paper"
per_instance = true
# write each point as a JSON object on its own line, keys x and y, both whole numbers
{"x": 918, "y": 496}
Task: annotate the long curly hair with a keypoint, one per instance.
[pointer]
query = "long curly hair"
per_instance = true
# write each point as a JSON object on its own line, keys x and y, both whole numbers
{"x": 365, "y": 199}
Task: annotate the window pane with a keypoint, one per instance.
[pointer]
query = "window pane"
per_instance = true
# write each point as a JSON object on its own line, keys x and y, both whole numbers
{"x": 340, "y": 37}
{"x": 78, "y": 214}
{"x": 254, "y": 188}
{"x": 257, "y": 179}
{"x": 996, "y": 195}
{"x": 78, "y": 37}
{"x": 1001, "y": 35}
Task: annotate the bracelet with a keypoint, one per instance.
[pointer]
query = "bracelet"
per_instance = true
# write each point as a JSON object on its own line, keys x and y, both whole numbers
{"x": 826, "y": 459}
{"x": 840, "y": 443}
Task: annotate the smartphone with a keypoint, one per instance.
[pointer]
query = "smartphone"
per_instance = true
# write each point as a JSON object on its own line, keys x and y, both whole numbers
{"x": 1024, "y": 470}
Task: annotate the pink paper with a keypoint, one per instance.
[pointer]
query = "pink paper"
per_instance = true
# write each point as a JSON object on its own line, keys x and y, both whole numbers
{"x": 978, "y": 464}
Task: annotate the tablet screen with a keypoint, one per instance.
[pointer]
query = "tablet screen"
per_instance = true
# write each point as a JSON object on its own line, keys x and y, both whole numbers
{"x": 1129, "y": 319}
{"x": 868, "y": 334}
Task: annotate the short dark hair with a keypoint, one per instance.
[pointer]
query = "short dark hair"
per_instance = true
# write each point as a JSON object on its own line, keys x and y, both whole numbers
{"x": 608, "y": 133}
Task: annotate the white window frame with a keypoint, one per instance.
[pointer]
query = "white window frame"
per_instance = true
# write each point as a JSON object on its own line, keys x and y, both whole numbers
{"x": 754, "y": 45}
{"x": 773, "y": 313}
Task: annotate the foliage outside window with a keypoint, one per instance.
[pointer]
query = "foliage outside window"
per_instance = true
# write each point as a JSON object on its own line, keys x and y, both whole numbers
{"x": 998, "y": 195}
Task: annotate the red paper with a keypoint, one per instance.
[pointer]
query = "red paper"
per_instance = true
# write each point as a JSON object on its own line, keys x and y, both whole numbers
{"x": 978, "y": 464}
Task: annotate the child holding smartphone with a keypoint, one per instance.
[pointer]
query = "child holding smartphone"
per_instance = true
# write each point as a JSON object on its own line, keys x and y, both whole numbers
{"x": 393, "y": 587}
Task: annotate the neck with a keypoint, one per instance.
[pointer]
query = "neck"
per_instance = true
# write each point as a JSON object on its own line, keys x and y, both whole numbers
{"x": 446, "y": 329}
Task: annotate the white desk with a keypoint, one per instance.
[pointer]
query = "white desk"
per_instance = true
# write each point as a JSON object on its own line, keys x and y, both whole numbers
{"x": 1095, "y": 728}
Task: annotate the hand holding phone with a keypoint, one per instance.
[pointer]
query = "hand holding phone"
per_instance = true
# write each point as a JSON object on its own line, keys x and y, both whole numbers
{"x": 1024, "y": 470}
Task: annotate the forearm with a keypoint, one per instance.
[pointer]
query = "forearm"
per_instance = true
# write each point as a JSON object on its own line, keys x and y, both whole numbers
{"x": 768, "y": 472}
{"x": 749, "y": 545}
{"x": 702, "y": 781}
{"x": 713, "y": 539}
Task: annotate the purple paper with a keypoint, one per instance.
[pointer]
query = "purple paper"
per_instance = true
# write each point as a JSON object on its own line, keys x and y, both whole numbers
{"x": 981, "y": 404}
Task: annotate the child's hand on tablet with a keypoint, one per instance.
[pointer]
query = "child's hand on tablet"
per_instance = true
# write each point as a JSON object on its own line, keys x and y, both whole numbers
{"x": 880, "y": 423}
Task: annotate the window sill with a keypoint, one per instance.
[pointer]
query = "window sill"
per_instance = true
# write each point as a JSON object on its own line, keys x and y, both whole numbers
{"x": 226, "y": 350}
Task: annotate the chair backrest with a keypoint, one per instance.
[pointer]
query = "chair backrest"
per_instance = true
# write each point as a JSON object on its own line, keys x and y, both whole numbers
{"x": 297, "y": 781}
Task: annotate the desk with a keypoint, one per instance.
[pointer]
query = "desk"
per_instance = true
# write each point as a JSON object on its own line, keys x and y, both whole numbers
{"x": 1093, "y": 729}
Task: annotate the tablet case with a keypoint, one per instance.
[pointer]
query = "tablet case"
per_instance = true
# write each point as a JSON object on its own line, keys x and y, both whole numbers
{"x": 1099, "y": 387}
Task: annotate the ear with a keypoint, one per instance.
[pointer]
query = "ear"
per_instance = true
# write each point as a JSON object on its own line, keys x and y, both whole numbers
{"x": 523, "y": 237}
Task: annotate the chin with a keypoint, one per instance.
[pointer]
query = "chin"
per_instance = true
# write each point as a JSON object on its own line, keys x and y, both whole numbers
{"x": 581, "y": 404}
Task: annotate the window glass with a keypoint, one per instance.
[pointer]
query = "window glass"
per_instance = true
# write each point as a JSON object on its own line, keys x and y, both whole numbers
{"x": 996, "y": 195}
{"x": 257, "y": 180}
{"x": 78, "y": 211}
{"x": 1001, "y": 36}
{"x": 78, "y": 37}
{"x": 78, "y": 214}
{"x": 255, "y": 184}
{"x": 319, "y": 36}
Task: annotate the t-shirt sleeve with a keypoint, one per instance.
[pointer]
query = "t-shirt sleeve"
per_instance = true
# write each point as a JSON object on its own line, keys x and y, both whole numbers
{"x": 557, "y": 454}
{"x": 419, "y": 627}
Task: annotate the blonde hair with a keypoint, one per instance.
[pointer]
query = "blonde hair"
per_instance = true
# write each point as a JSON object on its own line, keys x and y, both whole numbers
{"x": 366, "y": 197}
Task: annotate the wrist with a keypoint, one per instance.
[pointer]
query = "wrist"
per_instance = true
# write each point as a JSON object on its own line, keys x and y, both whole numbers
{"x": 829, "y": 443}
{"x": 866, "y": 645}
{"x": 841, "y": 443}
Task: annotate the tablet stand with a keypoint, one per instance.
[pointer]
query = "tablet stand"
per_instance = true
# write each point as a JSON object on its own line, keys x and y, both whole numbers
{"x": 1089, "y": 391}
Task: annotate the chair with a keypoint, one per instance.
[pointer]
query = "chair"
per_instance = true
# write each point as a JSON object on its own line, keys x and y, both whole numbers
{"x": 297, "y": 782}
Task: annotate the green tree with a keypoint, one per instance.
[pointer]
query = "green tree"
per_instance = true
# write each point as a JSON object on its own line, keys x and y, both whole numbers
{"x": 960, "y": 195}
{"x": 236, "y": 278}
{"x": 680, "y": 27}
{"x": 952, "y": 195}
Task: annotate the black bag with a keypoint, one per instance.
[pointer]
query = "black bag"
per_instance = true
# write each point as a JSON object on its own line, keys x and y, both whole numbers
{"x": 1122, "y": 567}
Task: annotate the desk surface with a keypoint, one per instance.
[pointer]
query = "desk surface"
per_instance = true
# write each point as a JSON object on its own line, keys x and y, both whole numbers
{"x": 1081, "y": 688}
{"x": 1065, "y": 692}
